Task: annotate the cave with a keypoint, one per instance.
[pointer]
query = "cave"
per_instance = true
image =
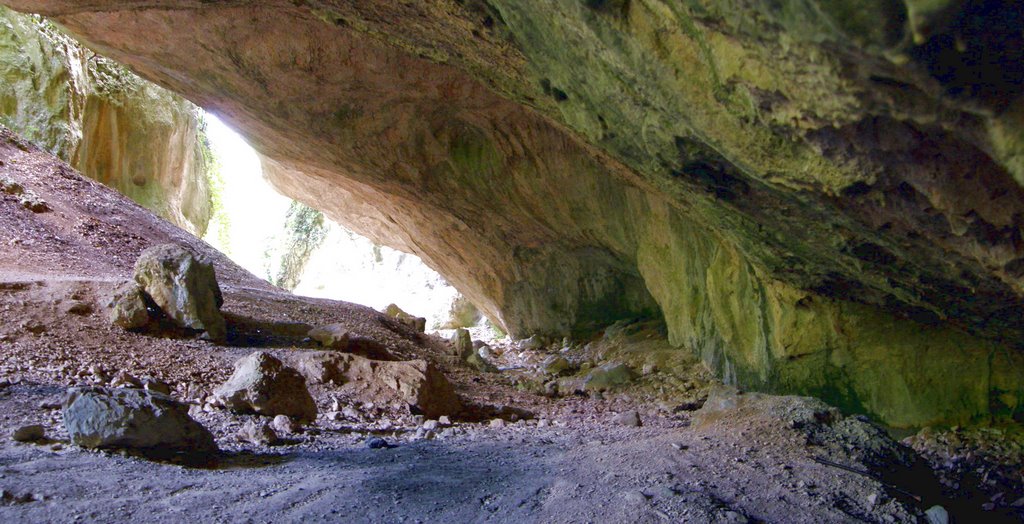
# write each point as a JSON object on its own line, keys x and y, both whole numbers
{"x": 745, "y": 261}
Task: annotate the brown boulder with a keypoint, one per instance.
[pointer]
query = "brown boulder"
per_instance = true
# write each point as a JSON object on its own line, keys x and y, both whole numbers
{"x": 416, "y": 382}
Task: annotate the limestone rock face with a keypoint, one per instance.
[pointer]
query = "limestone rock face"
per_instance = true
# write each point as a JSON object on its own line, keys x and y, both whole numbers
{"x": 132, "y": 418}
{"x": 262, "y": 384}
{"x": 415, "y": 382}
{"x": 821, "y": 197}
{"x": 183, "y": 286}
{"x": 111, "y": 125}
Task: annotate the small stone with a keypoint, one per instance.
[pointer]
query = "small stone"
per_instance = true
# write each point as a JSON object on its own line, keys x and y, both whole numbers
{"x": 33, "y": 433}
{"x": 462, "y": 343}
{"x": 430, "y": 425}
{"x": 417, "y": 323}
{"x": 377, "y": 443}
{"x": 259, "y": 433}
{"x": 1019, "y": 503}
{"x": 872, "y": 500}
{"x": 628, "y": 418}
{"x": 937, "y": 515}
{"x": 334, "y": 336}
{"x": 99, "y": 373}
{"x": 157, "y": 385}
{"x": 284, "y": 425}
{"x": 123, "y": 379}
{"x": 608, "y": 376}
{"x": 350, "y": 413}
{"x": 444, "y": 420}
{"x": 80, "y": 309}
{"x": 497, "y": 423}
{"x": 531, "y": 344}
{"x": 555, "y": 365}
{"x": 634, "y": 497}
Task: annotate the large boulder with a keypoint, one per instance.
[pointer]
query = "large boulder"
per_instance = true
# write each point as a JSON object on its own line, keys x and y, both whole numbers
{"x": 184, "y": 286}
{"x": 415, "y": 382}
{"x": 98, "y": 417}
{"x": 263, "y": 384}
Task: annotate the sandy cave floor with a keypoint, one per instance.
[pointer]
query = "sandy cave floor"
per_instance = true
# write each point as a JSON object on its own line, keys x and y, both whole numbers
{"x": 552, "y": 460}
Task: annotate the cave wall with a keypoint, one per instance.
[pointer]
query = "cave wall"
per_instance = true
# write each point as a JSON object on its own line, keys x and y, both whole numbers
{"x": 111, "y": 125}
{"x": 812, "y": 194}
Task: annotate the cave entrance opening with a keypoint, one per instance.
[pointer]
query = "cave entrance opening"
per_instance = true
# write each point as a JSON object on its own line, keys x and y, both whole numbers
{"x": 300, "y": 249}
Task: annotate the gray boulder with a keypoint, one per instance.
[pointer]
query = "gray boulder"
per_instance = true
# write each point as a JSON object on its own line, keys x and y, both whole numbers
{"x": 262, "y": 384}
{"x": 98, "y": 417}
{"x": 128, "y": 306}
{"x": 183, "y": 286}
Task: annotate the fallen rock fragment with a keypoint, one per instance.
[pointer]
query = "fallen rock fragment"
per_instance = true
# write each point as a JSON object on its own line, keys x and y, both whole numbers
{"x": 184, "y": 287}
{"x": 284, "y": 425}
{"x": 555, "y": 365}
{"x": 417, "y": 323}
{"x": 98, "y": 417}
{"x": 416, "y": 382}
{"x": 32, "y": 433}
{"x": 155, "y": 384}
{"x": 608, "y": 376}
{"x": 628, "y": 418}
{"x": 333, "y": 336}
{"x": 127, "y": 306}
{"x": 123, "y": 379}
{"x": 259, "y": 433}
{"x": 462, "y": 343}
{"x": 377, "y": 443}
{"x": 263, "y": 384}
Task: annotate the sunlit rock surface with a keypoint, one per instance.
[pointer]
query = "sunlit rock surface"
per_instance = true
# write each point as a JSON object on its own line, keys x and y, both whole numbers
{"x": 816, "y": 196}
{"x": 108, "y": 123}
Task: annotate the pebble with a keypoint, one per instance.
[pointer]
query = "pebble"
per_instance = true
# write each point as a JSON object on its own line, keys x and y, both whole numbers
{"x": 634, "y": 497}
{"x": 284, "y": 425}
{"x": 497, "y": 423}
{"x": 444, "y": 420}
{"x": 937, "y": 515}
{"x": 259, "y": 433}
{"x": 430, "y": 425}
{"x": 377, "y": 443}
{"x": 31, "y": 433}
{"x": 628, "y": 418}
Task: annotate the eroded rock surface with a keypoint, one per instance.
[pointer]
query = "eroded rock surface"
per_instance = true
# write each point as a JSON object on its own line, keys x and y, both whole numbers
{"x": 816, "y": 196}
{"x": 134, "y": 136}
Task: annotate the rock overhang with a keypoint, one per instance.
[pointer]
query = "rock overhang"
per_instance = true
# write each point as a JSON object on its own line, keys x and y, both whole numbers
{"x": 801, "y": 194}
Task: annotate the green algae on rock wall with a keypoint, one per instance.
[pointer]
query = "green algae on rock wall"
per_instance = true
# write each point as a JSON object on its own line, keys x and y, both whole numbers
{"x": 113, "y": 126}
